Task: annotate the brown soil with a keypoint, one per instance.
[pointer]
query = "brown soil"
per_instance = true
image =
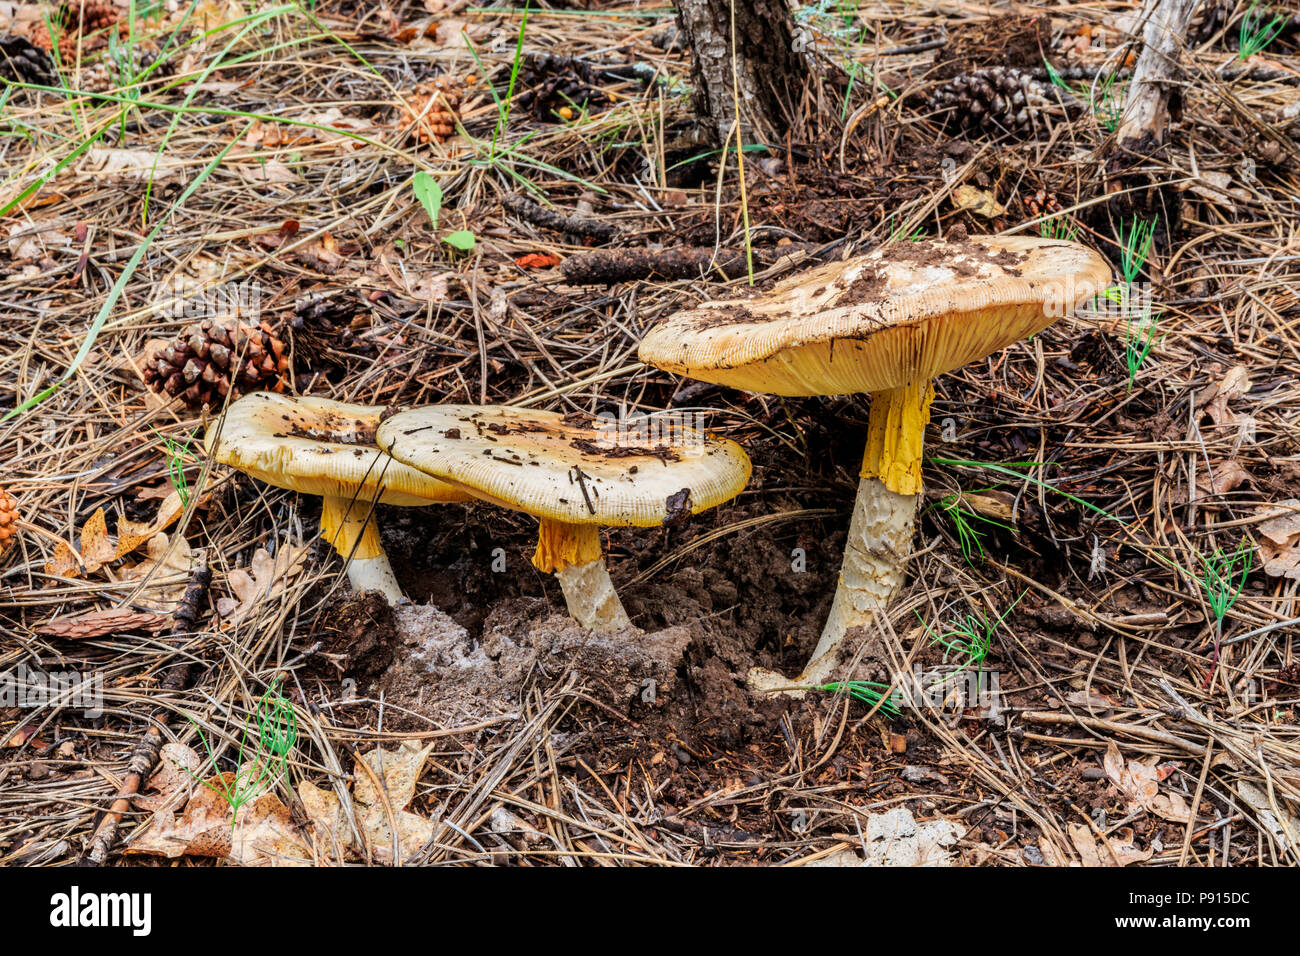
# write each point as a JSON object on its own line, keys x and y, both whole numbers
{"x": 1015, "y": 41}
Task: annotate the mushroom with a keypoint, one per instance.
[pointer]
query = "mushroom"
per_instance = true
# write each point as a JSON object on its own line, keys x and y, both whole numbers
{"x": 574, "y": 475}
{"x": 321, "y": 447}
{"x": 885, "y": 323}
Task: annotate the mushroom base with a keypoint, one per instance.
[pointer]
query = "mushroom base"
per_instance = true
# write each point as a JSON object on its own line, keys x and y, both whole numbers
{"x": 880, "y": 539}
{"x": 591, "y": 598}
{"x": 574, "y": 554}
{"x": 375, "y": 574}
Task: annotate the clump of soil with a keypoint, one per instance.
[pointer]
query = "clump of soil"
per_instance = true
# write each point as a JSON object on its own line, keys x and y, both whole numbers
{"x": 440, "y": 674}
{"x": 356, "y": 639}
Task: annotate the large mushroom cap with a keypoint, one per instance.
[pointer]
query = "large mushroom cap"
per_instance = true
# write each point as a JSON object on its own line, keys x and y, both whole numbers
{"x": 901, "y": 314}
{"x": 548, "y": 465}
{"x": 319, "y": 447}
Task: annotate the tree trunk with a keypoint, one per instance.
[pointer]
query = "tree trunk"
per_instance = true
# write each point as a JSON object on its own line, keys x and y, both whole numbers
{"x": 1146, "y": 113}
{"x": 771, "y": 72}
{"x": 1154, "y": 92}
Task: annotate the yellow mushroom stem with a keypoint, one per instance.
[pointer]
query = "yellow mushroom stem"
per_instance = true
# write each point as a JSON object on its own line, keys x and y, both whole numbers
{"x": 896, "y": 436}
{"x": 574, "y": 554}
{"x": 346, "y": 524}
{"x": 880, "y": 532}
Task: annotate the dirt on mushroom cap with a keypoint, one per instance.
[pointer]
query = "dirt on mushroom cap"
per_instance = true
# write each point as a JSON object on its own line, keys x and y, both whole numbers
{"x": 317, "y": 446}
{"x": 904, "y": 313}
{"x": 553, "y": 466}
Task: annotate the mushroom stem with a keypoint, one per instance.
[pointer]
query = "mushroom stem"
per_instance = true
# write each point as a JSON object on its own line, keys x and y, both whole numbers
{"x": 346, "y": 524}
{"x": 880, "y": 533}
{"x": 880, "y": 539}
{"x": 573, "y": 553}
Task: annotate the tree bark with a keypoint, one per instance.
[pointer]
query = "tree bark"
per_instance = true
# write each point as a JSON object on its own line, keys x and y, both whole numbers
{"x": 771, "y": 73}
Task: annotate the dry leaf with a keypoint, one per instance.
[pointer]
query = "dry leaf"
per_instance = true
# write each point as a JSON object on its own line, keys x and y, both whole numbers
{"x": 1091, "y": 699}
{"x": 166, "y": 558}
{"x": 1084, "y": 844}
{"x": 65, "y": 563}
{"x": 263, "y": 833}
{"x": 1235, "y": 383}
{"x": 131, "y": 165}
{"x": 537, "y": 260}
{"x": 977, "y": 201}
{"x": 267, "y": 171}
{"x": 1226, "y": 476}
{"x": 265, "y": 580}
{"x": 212, "y": 14}
{"x": 1140, "y": 784}
{"x": 1286, "y": 830}
{"x": 1279, "y": 541}
{"x": 1217, "y": 188}
{"x": 396, "y": 771}
{"x": 1122, "y": 848}
{"x": 98, "y": 623}
{"x": 30, "y": 239}
{"x": 330, "y": 834}
{"x": 995, "y": 503}
{"x": 132, "y": 534}
{"x": 896, "y": 838}
{"x": 174, "y": 780}
{"x": 97, "y": 548}
{"x": 323, "y": 255}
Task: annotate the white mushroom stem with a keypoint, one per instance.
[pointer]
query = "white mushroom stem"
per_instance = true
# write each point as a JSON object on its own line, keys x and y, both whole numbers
{"x": 346, "y": 524}
{"x": 574, "y": 554}
{"x": 880, "y": 539}
{"x": 591, "y": 598}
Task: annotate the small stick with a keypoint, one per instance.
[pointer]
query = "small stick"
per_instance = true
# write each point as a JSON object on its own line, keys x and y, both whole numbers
{"x": 1133, "y": 730}
{"x": 576, "y": 225}
{"x": 145, "y": 755}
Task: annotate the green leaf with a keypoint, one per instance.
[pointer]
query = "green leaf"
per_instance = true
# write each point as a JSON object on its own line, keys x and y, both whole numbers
{"x": 463, "y": 240}
{"x": 429, "y": 193}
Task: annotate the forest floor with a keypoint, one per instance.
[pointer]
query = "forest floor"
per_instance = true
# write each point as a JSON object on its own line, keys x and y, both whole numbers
{"x": 1102, "y": 500}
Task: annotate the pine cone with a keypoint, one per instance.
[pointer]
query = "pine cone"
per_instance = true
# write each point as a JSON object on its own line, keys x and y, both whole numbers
{"x": 41, "y": 38}
{"x": 197, "y": 364}
{"x": 144, "y": 57}
{"x": 432, "y": 109}
{"x": 24, "y": 62}
{"x": 8, "y": 520}
{"x": 96, "y": 79}
{"x": 1041, "y": 203}
{"x": 87, "y": 16}
{"x": 322, "y": 330}
{"x": 995, "y": 100}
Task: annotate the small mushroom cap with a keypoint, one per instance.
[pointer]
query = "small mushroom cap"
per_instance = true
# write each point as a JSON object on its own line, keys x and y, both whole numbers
{"x": 319, "y": 447}
{"x": 549, "y": 465}
{"x": 904, "y": 313}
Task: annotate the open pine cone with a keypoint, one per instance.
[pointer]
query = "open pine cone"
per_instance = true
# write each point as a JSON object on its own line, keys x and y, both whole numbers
{"x": 431, "y": 109}
{"x": 22, "y": 61}
{"x": 8, "y": 520}
{"x": 995, "y": 100}
{"x": 199, "y": 363}
{"x": 87, "y": 16}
